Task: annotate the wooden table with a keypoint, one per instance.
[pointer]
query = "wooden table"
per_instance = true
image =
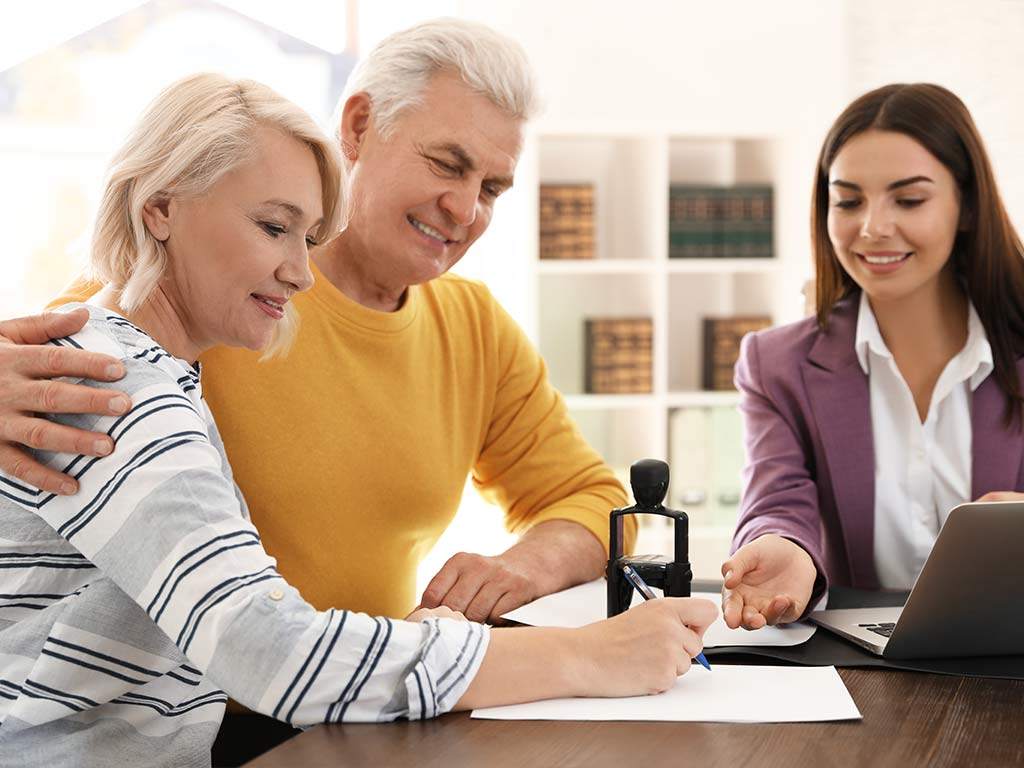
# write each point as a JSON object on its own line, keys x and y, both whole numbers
{"x": 910, "y": 718}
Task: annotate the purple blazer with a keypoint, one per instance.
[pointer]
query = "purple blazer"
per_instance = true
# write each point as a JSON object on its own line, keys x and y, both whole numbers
{"x": 810, "y": 468}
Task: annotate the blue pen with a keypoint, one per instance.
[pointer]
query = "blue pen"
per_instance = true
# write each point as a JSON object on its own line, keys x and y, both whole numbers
{"x": 645, "y": 592}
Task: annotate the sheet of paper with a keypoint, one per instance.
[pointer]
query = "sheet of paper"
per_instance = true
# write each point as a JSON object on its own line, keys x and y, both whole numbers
{"x": 585, "y": 604}
{"x": 728, "y": 694}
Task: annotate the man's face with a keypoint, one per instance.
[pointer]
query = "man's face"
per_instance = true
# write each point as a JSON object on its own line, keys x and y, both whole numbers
{"x": 423, "y": 195}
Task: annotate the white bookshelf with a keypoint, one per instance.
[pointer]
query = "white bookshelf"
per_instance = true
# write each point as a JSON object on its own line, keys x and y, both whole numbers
{"x": 633, "y": 276}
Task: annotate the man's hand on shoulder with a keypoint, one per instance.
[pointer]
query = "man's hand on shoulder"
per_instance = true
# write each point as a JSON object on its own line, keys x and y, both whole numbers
{"x": 551, "y": 556}
{"x": 28, "y": 366}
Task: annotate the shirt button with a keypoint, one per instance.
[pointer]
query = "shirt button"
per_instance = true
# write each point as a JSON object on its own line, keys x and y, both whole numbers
{"x": 276, "y": 594}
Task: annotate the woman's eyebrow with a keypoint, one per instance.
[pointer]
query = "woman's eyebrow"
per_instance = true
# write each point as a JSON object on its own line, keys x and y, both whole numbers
{"x": 291, "y": 208}
{"x": 895, "y": 185}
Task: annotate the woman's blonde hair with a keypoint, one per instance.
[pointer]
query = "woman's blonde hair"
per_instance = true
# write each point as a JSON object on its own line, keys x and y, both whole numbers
{"x": 194, "y": 132}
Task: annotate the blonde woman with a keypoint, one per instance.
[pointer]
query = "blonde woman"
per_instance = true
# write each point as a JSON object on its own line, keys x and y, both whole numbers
{"x": 129, "y": 611}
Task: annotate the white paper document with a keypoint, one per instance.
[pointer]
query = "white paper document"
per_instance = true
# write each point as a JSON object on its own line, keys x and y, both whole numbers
{"x": 587, "y": 603}
{"x": 727, "y": 694}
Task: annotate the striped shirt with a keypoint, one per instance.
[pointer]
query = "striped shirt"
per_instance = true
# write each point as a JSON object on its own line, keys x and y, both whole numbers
{"x": 128, "y": 610}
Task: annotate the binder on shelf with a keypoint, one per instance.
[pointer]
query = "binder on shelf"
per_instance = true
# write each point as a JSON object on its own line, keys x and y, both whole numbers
{"x": 706, "y": 456}
{"x": 720, "y": 222}
{"x": 567, "y": 221}
{"x": 726, "y": 430}
{"x": 618, "y": 355}
{"x": 722, "y": 337}
{"x": 690, "y": 486}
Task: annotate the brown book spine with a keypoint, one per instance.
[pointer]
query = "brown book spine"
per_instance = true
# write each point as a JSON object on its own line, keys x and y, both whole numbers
{"x": 618, "y": 355}
{"x": 567, "y": 221}
{"x": 722, "y": 337}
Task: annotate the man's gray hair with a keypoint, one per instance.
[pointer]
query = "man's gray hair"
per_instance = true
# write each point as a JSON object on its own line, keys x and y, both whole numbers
{"x": 396, "y": 72}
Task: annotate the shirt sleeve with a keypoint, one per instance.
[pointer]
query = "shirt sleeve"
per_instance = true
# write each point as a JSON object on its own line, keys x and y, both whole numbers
{"x": 160, "y": 518}
{"x": 780, "y": 495}
{"x": 535, "y": 464}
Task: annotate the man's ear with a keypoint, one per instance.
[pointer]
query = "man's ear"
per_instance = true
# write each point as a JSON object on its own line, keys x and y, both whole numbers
{"x": 156, "y": 214}
{"x": 355, "y": 124}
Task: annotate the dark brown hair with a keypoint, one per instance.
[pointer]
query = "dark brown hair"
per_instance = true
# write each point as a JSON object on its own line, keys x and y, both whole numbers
{"x": 987, "y": 253}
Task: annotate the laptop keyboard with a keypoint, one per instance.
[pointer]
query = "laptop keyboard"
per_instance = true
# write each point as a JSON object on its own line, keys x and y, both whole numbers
{"x": 884, "y": 629}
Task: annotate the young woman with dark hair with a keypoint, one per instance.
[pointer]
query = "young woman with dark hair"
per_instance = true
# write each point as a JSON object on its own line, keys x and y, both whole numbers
{"x": 867, "y": 424}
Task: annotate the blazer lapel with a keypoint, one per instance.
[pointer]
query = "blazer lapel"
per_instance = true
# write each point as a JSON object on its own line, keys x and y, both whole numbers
{"x": 997, "y": 451}
{"x": 841, "y": 403}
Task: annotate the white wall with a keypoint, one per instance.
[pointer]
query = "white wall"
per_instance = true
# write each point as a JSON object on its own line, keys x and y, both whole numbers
{"x": 748, "y": 67}
{"x": 972, "y": 48}
{"x": 741, "y": 68}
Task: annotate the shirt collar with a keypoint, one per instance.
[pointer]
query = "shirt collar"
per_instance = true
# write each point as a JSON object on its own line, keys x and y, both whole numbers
{"x": 975, "y": 358}
{"x": 868, "y": 337}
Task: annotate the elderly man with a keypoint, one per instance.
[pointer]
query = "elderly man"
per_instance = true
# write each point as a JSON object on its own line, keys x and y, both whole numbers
{"x": 404, "y": 379}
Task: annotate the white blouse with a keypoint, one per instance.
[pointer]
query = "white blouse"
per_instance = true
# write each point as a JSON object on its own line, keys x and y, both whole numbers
{"x": 922, "y": 470}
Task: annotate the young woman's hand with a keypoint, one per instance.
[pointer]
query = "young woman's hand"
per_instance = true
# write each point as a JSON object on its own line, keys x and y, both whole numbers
{"x": 768, "y": 581}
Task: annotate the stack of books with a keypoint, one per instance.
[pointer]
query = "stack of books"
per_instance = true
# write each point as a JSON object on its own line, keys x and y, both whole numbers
{"x": 619, "y": 355}
{"x": 720, "y": 222}
{"x": 567, "y": 221}
{"x": 722, "y": 336}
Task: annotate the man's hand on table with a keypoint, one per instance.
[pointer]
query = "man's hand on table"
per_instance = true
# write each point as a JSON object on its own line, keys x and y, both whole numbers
{"x": 551, "y": 556}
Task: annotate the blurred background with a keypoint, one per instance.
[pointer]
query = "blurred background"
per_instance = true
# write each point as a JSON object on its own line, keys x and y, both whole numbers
{"x": 661, "y": 203}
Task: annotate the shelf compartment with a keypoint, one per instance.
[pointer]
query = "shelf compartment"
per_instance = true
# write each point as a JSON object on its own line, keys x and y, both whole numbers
{"x": 622, "y": 435}
{"x": 567, "y": 300}
{"x": 696, "y": 296}
{"x": 630, "y": 211}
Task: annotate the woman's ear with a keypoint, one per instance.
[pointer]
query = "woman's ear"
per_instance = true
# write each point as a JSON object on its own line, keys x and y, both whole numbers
{"x": 355, "y": 124}
{"x": 156, "y": 214}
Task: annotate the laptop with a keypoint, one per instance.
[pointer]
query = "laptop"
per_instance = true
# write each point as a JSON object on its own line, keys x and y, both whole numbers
{"x": 966, "y": 600}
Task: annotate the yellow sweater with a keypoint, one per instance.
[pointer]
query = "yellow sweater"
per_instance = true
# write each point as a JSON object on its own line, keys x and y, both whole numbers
{"x": 352, "y": 452}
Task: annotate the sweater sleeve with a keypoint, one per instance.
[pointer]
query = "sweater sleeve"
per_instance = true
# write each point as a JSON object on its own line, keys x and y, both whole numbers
{"x": 159, "y": 517}
{"x": 81, "y": 288}
{"x": 779, "y": 492}
{"x": 535, "y": 464}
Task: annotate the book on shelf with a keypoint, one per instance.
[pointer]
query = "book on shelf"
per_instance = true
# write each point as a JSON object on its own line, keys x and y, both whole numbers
{"x": 722, "y": 336}
{"x": 706, "y": 457}
{"x": 720, "y": 222}
{"x": 618, "y": 355}
{"x": 567, "y": 221}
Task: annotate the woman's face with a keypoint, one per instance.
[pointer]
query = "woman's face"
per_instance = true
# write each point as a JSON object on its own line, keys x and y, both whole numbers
{"x": 237, "y": 254}
{"x": 894, "y": 211}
